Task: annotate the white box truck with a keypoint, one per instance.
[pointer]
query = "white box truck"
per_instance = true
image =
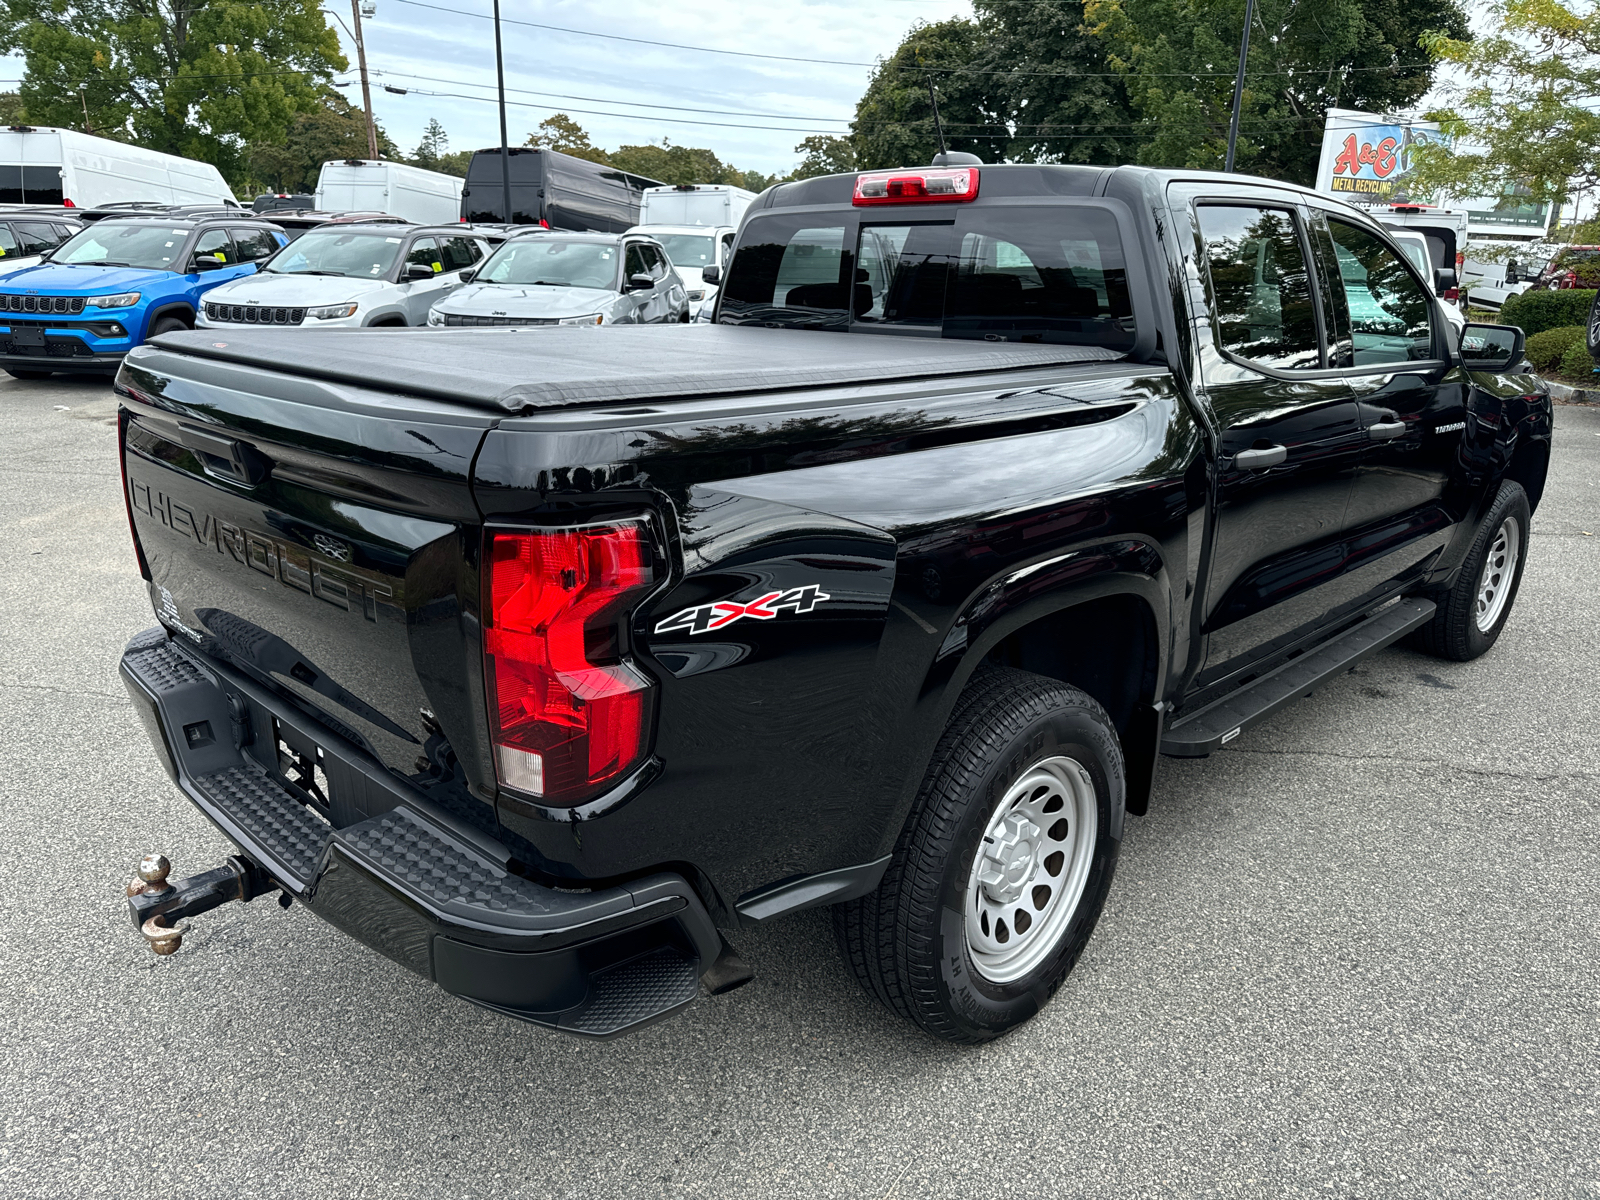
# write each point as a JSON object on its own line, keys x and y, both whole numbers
{"x": 43, "y": 165}
{"x": 399, "y": 189}
{"x": 715, "y": 204}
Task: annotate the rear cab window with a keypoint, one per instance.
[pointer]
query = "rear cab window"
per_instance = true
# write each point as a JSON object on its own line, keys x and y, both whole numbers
{"x": 1016, "y": 273}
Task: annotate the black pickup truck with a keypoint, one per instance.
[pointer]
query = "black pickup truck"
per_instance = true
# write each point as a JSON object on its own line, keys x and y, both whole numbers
{"x": 543, "y": 661}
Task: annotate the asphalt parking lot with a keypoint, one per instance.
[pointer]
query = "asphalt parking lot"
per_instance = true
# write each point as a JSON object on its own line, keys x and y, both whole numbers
{"x": 1356, "y": 954}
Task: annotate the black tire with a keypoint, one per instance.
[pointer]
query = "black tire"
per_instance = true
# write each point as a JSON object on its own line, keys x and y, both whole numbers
{"x": 19, "y": 373}
{"x": 168, "y": 325}
{"x": 907, "y": 942}
{"x": 1454, "y": 632}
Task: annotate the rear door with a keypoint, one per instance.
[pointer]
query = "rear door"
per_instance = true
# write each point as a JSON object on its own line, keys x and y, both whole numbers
{"x": 1291, "y": 439}
{"x": 1411, "y": 398}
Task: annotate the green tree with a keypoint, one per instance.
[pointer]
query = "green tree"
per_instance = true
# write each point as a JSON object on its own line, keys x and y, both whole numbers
{"x": 335, "y": 129}
{"x": 207, "y": 79}
{"x": 1522, "y": 105}
{"x": 1178, "y": 59}
{"x": 894, "y": 126}
{"x": 435, "y": 144}
{"x": 824, "y": 155}
{"x": 11, "y": 112}
{"x": 561, "y": 132}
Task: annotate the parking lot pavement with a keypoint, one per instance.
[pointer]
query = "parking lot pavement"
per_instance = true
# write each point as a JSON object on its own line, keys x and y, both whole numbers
{"x": 1356, "y": 954}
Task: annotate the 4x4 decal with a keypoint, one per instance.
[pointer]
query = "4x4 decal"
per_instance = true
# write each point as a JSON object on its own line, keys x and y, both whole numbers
{"x": 703, "y": 618}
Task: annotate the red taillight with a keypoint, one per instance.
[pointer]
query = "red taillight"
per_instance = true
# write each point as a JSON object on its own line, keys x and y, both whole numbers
{"x": 931, "y": 186}
{"x": 1452, "y": 293}
{"x": 543, "y": 224}
{"x": 65, "y": 203}
{"x": 567, "y": 713}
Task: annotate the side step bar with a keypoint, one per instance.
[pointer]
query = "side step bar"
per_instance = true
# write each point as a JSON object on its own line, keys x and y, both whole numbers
{"x": 1196, "y": 734}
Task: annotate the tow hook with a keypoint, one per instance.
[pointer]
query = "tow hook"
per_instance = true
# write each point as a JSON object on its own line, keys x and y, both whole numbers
{"x": 158, "y": 908}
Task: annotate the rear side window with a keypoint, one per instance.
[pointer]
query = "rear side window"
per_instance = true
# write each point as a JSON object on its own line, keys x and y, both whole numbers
{"x": 41, "y": 185}
{"x": 460, "y": 253}
{"x": 1261, "y": 285}
{"x": 9, "y": 247}
{"x": 787, "y": 272}
{"x": 254, "y": 244}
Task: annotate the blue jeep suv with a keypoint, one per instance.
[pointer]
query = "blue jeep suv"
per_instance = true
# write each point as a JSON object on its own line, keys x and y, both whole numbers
{"x": 120, "y": 281}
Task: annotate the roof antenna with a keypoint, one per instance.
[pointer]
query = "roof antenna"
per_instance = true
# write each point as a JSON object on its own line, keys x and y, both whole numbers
{"x": 947, "y": 157}
{"x": 937, "y": 125}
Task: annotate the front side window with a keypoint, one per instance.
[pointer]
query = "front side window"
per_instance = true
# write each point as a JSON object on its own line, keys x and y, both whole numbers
{"x": 1261, "y": 286}
{"x": 635, "y": 261}
{"x": 216, "y": 243}
{"x": 152, "y": 247}
{"x": 329, "y": 252}
{"x": 553, "y": 263}
{"x": 1390, "y": 314}
{"x": 425, "y": 252}
{"x": 658, "y": 262}
{"x": 787, "y": 272}
{"x": 37, "y": 236}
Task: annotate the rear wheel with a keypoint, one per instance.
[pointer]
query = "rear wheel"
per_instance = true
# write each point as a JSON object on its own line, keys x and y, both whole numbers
{"x": 1003, "y": 866}
{"x": 1474, "y": 610}
{"x": 18, "y": 373}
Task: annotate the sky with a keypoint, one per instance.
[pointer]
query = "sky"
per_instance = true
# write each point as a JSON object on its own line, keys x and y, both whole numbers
{"x": 758, "y": 108}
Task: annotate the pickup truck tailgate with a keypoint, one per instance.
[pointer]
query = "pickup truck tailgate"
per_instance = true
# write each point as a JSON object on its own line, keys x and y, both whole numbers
{"x": 281, "y": 522}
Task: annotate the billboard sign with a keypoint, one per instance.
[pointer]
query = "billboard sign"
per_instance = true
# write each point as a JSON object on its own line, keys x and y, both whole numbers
{"x": 1366, "y": 157}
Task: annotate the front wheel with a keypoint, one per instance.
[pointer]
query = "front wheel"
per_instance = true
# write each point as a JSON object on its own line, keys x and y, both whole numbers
{"x": 168, "y": 325}
{"x": 1474, "y": 610}
{"x": 1003, "y": 865}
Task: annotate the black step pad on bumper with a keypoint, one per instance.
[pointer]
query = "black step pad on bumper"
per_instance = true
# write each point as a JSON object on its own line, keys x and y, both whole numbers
{"x": 1194, "y": 735}
{"x": 412, "y": 881}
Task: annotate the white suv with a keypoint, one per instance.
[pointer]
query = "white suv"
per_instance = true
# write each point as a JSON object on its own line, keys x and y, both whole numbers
{"x": 344, "y": 276}
{"x": 692, "y": 248}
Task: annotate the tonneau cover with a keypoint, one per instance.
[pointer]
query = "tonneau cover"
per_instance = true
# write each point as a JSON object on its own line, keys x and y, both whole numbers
{"x": 518, "y": 370}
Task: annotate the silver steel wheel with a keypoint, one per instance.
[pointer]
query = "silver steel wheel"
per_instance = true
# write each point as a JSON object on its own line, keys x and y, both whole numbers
{"x": 1499, "y": 569}
{"x": 1030, "y": 869}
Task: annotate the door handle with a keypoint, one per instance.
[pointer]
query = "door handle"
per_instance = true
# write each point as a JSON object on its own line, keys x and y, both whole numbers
{"x": 1260, "y": 460}
{"x": 1385, "y": 430}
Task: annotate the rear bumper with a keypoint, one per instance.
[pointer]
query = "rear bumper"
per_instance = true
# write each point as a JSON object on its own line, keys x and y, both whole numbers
{"x": 409, "y": 880}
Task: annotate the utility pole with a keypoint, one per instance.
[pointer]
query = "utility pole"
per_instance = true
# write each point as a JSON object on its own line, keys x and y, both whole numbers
{"x": 83, "y": 95}
{"x": 366, "y": 88}
{"x": 505, "y": 149}
{"x": 1238, "y": 81}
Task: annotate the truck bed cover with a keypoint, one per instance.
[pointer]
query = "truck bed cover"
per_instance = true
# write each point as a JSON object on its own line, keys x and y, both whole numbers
{"x": 519, "y": 371}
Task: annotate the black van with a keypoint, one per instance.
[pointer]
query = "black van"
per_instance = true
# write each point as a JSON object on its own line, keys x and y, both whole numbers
{"x": 552, "y": 188}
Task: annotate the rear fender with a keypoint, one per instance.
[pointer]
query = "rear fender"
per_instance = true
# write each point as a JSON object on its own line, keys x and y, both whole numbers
{"x": 1023, "y": 596}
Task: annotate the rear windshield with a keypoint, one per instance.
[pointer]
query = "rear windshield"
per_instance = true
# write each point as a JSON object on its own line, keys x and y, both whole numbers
{"x": 354, "y": 255}
{"x": 153, "y": 247}
{"x": 1016, "y": 274}
{"x": 538, "y": 260}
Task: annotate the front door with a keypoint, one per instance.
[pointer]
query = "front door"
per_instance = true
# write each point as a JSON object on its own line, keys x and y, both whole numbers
{"x": 1412, "y": 399}
{"x": 1290, "y": 436}
{"x": 423, "y": 294}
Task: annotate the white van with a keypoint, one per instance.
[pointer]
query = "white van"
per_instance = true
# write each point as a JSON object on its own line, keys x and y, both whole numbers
{"x": 401, "y": 190}
{"x": 715, "y": 204}
{"x": 41, "y": 165}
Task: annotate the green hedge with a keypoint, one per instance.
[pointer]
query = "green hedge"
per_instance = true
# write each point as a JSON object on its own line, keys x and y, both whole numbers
{"x": 1539, "y": 311}
{"x": 1577, "y": 365}
{"x": 1547, "y": 349}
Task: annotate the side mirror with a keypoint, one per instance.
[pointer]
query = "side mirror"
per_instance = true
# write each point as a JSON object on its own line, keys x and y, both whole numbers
{"x": 711, "y": 273}
{"x": 209, "y": 262}
{"x": 1444, "y": 278}
{"x": 1491, "y": 347}
{"x": 415, "y": 271}
{"x": 467, "y": 274}
{"x": 639, "y": 283}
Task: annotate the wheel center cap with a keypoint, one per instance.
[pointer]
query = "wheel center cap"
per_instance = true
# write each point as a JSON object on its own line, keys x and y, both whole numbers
{"x": 1008, "y": 858}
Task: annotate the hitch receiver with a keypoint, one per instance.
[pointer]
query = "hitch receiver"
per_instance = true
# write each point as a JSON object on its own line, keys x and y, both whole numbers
{"x": 158, "y": 907}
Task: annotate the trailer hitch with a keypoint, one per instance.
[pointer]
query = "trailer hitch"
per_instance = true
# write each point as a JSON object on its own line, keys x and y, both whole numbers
{"x": 158, "y": 908}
